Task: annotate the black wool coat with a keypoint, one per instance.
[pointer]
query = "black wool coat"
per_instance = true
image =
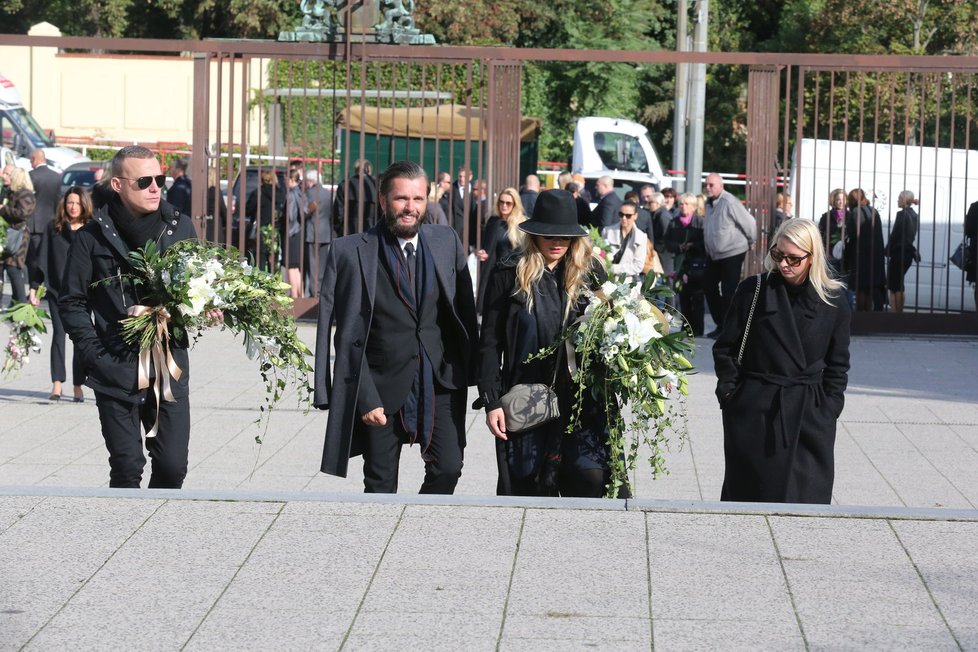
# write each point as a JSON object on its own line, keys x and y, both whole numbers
{"x": 780, "y": 406}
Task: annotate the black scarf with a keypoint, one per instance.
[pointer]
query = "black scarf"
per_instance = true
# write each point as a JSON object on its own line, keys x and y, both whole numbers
{"x": 135, "y": 231}
{"x": 418, "y": 412}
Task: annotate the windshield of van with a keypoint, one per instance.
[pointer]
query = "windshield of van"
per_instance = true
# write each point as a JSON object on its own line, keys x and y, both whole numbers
{"x": 26, "y": 124}
{"x": 621, "y": 152}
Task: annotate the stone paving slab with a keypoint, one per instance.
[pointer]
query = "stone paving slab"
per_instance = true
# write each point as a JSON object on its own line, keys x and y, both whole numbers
{"x": 907, "y": 437}
{"x": 168, "y": 571}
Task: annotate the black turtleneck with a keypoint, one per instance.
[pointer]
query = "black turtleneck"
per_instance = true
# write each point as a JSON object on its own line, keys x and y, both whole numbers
{"x": 135, "y": 232}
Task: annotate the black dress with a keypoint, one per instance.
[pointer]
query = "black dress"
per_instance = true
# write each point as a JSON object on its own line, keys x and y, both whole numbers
{"x": 49, "y": 270}
{"x": 546, "y": 460}
{"x": 900, "y": 249}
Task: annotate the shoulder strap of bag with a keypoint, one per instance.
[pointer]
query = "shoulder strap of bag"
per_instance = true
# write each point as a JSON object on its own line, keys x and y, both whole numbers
{"x": 750, "y": 317}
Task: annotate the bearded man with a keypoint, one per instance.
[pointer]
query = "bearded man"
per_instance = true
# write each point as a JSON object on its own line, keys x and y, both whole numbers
{"x": 400, "y": 298}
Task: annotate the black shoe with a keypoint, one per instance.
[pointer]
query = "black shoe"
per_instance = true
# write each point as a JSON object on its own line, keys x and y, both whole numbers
{"x": 715, "y": 333}
{"x": 54, "y": 397}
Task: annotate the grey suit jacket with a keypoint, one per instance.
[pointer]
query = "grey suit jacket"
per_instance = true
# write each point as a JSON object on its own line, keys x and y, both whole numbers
{"x": 346, "y": 300}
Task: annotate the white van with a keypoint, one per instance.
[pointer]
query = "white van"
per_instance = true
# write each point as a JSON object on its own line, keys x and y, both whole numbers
{"x": 617, "y": 148}
{"x": 20, "y": 134}
{"x": 944, "y": 180}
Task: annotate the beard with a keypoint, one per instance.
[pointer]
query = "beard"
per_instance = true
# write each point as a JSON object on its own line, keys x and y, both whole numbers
{"x": 400, "y": 231}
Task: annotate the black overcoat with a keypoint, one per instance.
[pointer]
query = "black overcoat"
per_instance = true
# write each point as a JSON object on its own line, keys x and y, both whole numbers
{"x": 780, "y": 406}
{"x": 346, "y": 301}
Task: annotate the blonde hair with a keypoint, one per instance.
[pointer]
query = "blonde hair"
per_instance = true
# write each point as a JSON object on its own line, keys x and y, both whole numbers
{"x": 804, "y": 235}
{"x": 577, "y": 263}
{"x": 19, "y": 180}
{"x": 701, "y": 205}
{"x": 514, "y": 234}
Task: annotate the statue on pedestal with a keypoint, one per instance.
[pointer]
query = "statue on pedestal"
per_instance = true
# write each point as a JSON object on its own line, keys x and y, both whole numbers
{"x": 322, "y": 21}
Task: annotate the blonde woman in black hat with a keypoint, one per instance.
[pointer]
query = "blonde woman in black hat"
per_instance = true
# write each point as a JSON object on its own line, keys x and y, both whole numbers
{"x": 527, "y": 304}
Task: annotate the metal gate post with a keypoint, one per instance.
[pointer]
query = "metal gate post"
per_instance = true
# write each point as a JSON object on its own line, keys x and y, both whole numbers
{"x": 763, "y": 122}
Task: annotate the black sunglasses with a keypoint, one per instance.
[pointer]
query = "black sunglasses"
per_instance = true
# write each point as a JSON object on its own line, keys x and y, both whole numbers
{"x": 144, "y": 182}
{"x": 627, "y": 215}
{"x": 793, "y": 261}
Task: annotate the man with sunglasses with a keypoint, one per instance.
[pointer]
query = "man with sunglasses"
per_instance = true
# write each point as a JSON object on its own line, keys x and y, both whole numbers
{"x": 729, "y": 231}
{"x": 96, "y": 283}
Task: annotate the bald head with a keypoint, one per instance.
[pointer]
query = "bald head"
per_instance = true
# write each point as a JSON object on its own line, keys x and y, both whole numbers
{"x": 38, "y": 158}
{"x": 532, "y": 182}
{"x": 714, "y": 185}
{"x": 604, "y": 185}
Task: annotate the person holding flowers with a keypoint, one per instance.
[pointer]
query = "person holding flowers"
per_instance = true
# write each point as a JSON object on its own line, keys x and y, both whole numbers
{"x": 528, "y": 303}
{"x": 73, "y": 212}
{"x": 98, "y": 282}
{"x": 782, "y": 363}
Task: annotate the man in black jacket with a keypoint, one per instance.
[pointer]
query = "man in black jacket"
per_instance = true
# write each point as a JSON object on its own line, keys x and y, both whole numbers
{"x": 96, "y": 284}
{"x": 47, "y": 191}
{"x": 179, "y": 193}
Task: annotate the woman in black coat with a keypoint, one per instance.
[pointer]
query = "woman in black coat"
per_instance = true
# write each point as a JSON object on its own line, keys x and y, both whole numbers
{"x": 684, "y": 238}
{"x": 74, "y": 211}
{"x": 781, "y": 402}
{"x": 501, "y": 237}
{"x": 971, "y": 234}
{"x": 864, "y": 257}
{"x": 900, "y": 250}
{"x": 264, "y": 207}
{"x": 527, "y": 304}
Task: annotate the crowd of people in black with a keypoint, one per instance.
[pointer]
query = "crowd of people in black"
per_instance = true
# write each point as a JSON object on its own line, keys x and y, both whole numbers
{"x": 388, "y": 259}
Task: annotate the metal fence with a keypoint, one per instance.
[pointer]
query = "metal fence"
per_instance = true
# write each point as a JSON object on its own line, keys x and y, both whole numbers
{"x": 880, "y": 123}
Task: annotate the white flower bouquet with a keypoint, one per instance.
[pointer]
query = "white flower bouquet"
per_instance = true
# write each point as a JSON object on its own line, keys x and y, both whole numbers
{"x": 26, "y": 323}
{"x": 183, "y": 286}
{"x": 633, "y": 362}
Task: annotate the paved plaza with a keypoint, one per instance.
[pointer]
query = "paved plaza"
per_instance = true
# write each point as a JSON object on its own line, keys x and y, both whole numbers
{"x": 261, "y": 551}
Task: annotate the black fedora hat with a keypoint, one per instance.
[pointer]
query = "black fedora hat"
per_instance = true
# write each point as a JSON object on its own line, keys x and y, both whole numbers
{"x": 555, "y": 214}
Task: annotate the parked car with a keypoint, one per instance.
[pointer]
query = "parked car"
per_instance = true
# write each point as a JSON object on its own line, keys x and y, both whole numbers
{"x": 80, "y": 174}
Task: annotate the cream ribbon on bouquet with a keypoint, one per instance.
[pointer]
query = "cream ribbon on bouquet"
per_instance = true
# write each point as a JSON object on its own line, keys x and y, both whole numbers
{"x": 161, "y": 358}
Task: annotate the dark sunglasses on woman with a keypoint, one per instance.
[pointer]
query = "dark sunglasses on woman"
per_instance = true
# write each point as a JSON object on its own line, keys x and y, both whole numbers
{"x": 793, "y": 261}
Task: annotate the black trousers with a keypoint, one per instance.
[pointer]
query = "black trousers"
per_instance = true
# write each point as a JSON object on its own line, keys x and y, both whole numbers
{"x": 691, "y": 305}
{"x": 720, "y": 281}
{"x": 17, "y": 286}
{"x": 122, "y": 424}
{"x": 443, "y": 461}
{"x": 315, "y": 266}
{"x": 58, "y": 349}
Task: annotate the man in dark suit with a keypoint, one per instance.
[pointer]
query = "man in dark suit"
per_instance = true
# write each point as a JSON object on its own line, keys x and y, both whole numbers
{"x": 47, "y": 191}
{"x": 400, "y": 297}
{"x": 530, "y": 192}
{"x": 606, "y": 212}
{"x": 179, "y": 193}
{"x": 356, "y": 200}
{"x": 461, "y": 207}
